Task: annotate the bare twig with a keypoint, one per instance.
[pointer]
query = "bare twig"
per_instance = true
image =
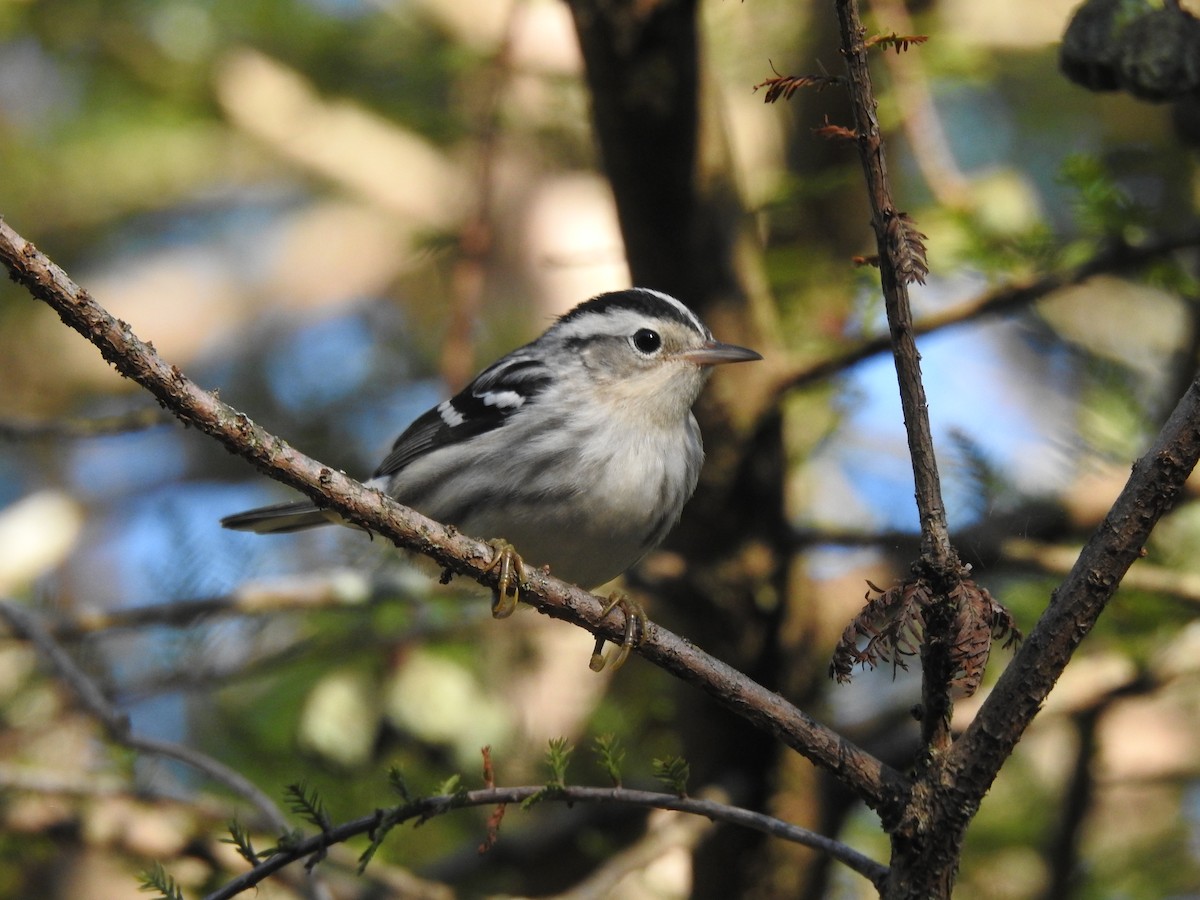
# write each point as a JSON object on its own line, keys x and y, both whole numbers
{"x": 876, "y": 783}
{"x": 1111, "y": 259}
{"x": 429, "y": 807}
{"x": 116, "y": 724}
{"x": 336, "y": 591}
{"x": 900, "y": 263}
{"x": 1059, "y": 560}
{"x": 137, "y": 420}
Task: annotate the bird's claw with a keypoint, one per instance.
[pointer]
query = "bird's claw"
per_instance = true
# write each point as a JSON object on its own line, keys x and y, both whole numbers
{"x": 507, "y": 592}
{"x": 636, "y": 624}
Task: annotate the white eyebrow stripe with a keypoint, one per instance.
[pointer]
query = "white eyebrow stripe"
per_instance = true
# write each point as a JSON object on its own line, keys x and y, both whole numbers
{"x": 678, "y": 304}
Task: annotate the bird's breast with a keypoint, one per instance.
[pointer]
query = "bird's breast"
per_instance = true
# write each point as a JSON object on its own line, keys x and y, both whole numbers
{"x": 589, "y": 505}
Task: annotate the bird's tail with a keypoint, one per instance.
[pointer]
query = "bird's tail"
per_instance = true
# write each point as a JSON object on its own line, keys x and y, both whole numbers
{"x": 280, "y": 518}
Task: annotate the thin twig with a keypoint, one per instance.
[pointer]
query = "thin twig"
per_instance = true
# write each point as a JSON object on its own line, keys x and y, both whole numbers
{"x": 870, "y": 779}
{"x": 429, "y": 807}
{"x": 328, "y": 592}
{"x": 894, "y": 238}
{"x": 1111, "y": 259}
{"x": 1059, "y": 559}
{"x": 13, "y": 429}
{"x": 902, "y": 261}
{"x": 116, "y": 723}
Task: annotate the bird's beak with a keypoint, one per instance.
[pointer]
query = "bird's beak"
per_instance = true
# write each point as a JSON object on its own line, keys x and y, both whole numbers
{"x": 714, "y": 353}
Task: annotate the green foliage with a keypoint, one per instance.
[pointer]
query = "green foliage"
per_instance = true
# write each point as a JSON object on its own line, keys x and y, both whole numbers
{"x": 1171, "y": 274}
{"x": 308, "y": 805}
{"x": 984, "y": 481}
{"x": 558, "y": 757}
{"x": 611, "y": 754}
{"x": 240, "y": 838}
{"x": 673, "y": 772}
{"x": 1102, "y": 208}
{"x": 399, "y": 784}
{"x": 159, "y": 880}
{"x": 1034, "y": 248}
{"x": 451, "y": 787}
{"x": 388, "y": 818}
{"x": 377, "y": 835}
{"x": 285, "y": 843}
{"x": 1112, "y": 417}
{"x": 387, "y": 821}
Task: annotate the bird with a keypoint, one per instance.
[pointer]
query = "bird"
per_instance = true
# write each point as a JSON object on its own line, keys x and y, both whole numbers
{"x": 578, "y": 450}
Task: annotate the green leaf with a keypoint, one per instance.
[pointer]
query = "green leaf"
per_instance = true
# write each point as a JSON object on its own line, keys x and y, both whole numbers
{"x": 452, "y": 786}
{"x": 240, "y": 838}
{"x": 673, "y": 772}
{"x": 611, "y": 754}
{"x": 558, "y": 756}
{"x": 387, "y": 821}
{"x": 286, "y": 842}
{"x": 307, "y": 804}
{"x": 158, "y": 879}
{"x": 1103, "y": 208}
{"x": 398, "y": 783}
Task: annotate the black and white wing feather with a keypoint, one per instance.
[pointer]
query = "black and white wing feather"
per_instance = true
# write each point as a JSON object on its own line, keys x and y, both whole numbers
{"x": 485, "y": 404}
{"x": 497, "y": 393}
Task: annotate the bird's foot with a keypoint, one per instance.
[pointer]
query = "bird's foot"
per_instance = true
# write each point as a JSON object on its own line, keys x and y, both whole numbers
{"x": 636, "y": 625}
{"x": 507, "y": 592}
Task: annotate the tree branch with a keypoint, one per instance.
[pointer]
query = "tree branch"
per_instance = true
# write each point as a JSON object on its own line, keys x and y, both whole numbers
{"x": 1114, "y": 258}
{"x": 873, "y": 781}
{"x": 116, "y": 724}
{"x": 901, "y": 253}
{"x": 1157, "y": 481}
{"x": 901, "y": 261}
{"x": 428, "y": 807}
{"x": 1180, "y": 585}
{"x": 75, "y": 428}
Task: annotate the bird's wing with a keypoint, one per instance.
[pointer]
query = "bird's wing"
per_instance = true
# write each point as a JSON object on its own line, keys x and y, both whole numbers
{"x": 486, "y": 403}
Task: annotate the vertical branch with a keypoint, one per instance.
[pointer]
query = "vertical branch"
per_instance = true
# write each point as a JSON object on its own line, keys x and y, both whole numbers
{"x": 901, "y": 261}
{"x": 937, "y": 672}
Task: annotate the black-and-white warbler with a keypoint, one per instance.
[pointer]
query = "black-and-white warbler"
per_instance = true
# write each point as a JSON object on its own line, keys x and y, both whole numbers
{"x": 579, "y": 449}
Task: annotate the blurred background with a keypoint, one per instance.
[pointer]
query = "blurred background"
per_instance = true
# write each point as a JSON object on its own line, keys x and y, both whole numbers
{"x": 334, "y": 212}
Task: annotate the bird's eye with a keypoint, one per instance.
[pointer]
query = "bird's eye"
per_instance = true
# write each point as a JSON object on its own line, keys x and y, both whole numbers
{"x": 647, "y": 341}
